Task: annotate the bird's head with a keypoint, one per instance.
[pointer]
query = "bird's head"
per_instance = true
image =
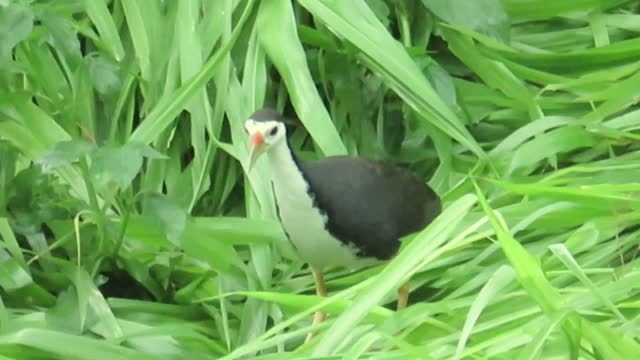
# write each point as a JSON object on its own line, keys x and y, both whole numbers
{"x": 265, "y": 129}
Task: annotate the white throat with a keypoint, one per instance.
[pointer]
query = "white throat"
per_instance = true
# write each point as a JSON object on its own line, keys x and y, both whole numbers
{"x": 280, "y": 158}
{"x": 289, "y": 184}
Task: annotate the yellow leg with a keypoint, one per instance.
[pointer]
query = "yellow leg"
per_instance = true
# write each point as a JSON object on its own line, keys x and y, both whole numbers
{"x": 403, "y": 296}
{"x": 321, "y": 290}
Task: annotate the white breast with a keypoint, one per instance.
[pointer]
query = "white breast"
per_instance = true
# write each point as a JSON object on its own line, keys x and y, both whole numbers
{"x": 304, "y": 223}
{"x": 305, "y": 226}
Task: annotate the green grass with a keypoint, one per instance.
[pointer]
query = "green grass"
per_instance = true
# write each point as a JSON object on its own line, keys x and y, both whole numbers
{"x": 130, "y": 229}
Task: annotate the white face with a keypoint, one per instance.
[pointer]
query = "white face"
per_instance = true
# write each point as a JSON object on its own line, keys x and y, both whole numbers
{"x": 262, "y": 136}
{"x": 271, "y": 132}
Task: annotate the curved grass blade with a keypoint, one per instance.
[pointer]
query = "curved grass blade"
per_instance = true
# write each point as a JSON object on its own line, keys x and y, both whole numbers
{"x": 61, "y": 345}
{"x": 427, "y": 245}
{"x": 102, "y": 19}
{"x": 354, "y": 21}
{"x": 562, "y": 253}
{"x": 279, "y": 38}
{"x": 502, "y": 277}
{"x": 169, "y": 107}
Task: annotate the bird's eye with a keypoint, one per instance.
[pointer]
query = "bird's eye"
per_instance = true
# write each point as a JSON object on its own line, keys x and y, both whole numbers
{"x": 273, "y": 131}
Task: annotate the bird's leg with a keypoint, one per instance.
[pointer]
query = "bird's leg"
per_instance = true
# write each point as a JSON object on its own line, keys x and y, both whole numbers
{"x": 321, "y": 290}
{"x": 403, "y": 296}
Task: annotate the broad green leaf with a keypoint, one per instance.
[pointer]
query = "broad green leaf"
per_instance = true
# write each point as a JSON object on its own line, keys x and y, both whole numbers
{"x": 166, "y": 215}
{"x": 90, "y": 299}
{"x": 119, "y": 165}
{"x": 12, "y": 275}
{"x": 64, "y": 153}
{"x": 115, "y": 166}
{"x": 67, "y": 316}
{"x": 484, "y": 16}
{"x": 16, "y": 23}
{"x": 105, "y": 76}
{"x": 9, "y": 241}
{"x": 217, "y": 253}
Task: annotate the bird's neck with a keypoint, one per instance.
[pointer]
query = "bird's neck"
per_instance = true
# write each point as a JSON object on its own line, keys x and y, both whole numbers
{"x": 288, "y": 179}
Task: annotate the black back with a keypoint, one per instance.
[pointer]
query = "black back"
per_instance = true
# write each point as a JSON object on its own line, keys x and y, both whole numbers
{"x": 369, "y": 203}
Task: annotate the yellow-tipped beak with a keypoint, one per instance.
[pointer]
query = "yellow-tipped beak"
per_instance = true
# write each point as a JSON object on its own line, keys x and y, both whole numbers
{"x": 256, "y": 148}
{"x": 254, "y": 153}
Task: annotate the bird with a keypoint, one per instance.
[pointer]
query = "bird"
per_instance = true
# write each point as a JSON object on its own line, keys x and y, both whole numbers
{"x": 342, "y": 211}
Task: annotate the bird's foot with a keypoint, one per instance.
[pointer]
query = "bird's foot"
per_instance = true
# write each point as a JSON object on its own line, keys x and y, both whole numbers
{"x": 318, "y": 317}
{"x": 403, "y": 296}
{"x": 321, "y": 290}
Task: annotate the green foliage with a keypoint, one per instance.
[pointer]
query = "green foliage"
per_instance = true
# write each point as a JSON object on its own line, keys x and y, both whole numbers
{"x": 129, "y": 227}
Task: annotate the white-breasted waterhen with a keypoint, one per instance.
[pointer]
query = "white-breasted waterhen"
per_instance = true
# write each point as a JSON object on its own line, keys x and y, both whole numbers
{"x": 340, "y": 210}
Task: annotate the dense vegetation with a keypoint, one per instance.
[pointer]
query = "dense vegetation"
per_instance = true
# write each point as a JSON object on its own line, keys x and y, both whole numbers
{"x": 129, "y": 228}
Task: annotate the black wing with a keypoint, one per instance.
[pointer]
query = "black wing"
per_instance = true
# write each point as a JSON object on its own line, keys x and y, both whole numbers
{"x": 370, "y": 204}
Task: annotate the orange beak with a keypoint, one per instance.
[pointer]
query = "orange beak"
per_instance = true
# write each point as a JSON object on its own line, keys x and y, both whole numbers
{"x": 256, "y": 140}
